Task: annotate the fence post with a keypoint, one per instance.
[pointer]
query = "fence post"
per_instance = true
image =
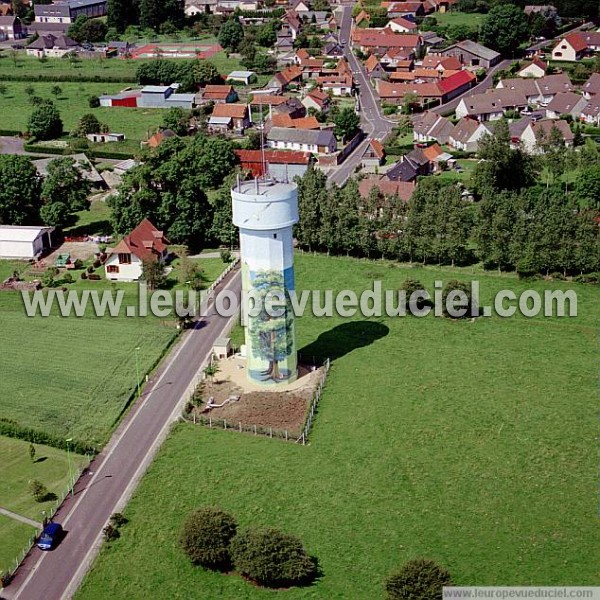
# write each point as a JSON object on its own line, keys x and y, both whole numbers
{"x": 210, "y": 421}
{"x": 270, "y": 431}
{"x": 255, "y": 432}
{"x": 240, "y": 425}
{"x": 286, "y": 435}
{"x": 224, "y": 424}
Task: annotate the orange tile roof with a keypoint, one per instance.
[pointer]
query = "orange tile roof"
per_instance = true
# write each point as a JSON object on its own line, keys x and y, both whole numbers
{"x": 235, "y": 111}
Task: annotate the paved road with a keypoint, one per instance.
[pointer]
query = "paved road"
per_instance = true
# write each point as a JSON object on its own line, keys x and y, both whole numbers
{"x": 374, "y": 124}
{"x": 114, "y": 474}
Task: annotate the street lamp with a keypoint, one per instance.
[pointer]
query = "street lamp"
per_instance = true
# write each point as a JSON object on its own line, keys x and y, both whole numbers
{"x": 69, "y": 440}
{"x": 137, "y": 369}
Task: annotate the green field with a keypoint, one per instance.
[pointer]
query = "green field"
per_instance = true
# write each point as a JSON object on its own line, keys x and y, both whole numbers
{"x": 72, "y": 103}
{"x": 77, "y": 375}
{"x": 472, "y": 443}
{"x": 459, "y": 18}
{"x": 15, "y": 536}
{"x": 50, "y": 466}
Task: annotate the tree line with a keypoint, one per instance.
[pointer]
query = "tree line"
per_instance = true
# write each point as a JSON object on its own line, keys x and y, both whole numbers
{"x": 167, "y": 15}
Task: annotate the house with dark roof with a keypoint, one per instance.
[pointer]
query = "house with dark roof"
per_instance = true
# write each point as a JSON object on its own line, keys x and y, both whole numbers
{"x": 537, "y": 132}
{"x": 473, "y": 54}
{"x": 51, "y": 45}
{"x": 125, "y": 260}
{"x": 590, "y": 113}
{"x": 467, "y": 133}
{"x": 320, "y": 141}
{"x": 373, "y": 67}
{"x": 317, "y": 99}
{"x": 402, "y": 171}
{"x": 11, "y": 28}
{"x": 538, "y": 91}
{"x": 565, "y": 103}
{"x": 429, "y": 126}
{"x": 68, "y": 11}
{"x": 591, "y": 87}
{"x": 491, "y": 105}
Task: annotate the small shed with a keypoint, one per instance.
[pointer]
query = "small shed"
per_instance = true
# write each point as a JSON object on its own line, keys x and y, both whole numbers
{"x": 245, "y": 77}
{"x": 222, "y": 347}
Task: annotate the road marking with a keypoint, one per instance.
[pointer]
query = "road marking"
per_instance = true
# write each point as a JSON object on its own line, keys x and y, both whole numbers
{"x": 169, "y": 363}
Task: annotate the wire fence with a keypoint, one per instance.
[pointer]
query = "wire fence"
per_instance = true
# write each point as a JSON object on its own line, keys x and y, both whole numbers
{"x": 48, "y": 514}
{"x": 289, "y": 435}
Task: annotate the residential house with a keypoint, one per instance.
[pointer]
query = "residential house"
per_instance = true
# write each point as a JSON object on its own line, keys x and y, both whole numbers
{"x": 292, "y": 22}
{"x": 536, "y": 68}
{"x": 25, "y": 242}
{"x": 154, "y": 141}
{"x": 282, "y": 80}
{"x": 11, "y": 28}
{"x": 402, "y": 25}
{"x": 429, "y": 126}
{"x": 316, "y": 99}
{"x": 436, "y": 156}
{"x": 538, "y": 91}
{"x": 281, "y": 165}
{"x": 490, "y": 106}
{"x": 373, "y": 67}
{"x": 546, "y": 10}
{"x": 456, "y": 84}
{"x": 229, "y": 117}
{"x": 263, "y": 105}
{"x": 332, "y": 50}
{"x": 306, "y": 140}
{"x": 244, "y": 77}
{"x": 68, "y": 11}
{"x": 194, "y": 8}
{"x": 311, "y": 67}
{"x": 380, "y": 41}
{"x": 52, "y": 45}
{"x": 300, "y": 6}
{"x": 285, "y": 120}
{"x": 218, "y": 93}
{"x": 576, "y": 46}
{"x": 590, "y": 113}
{"x": 402, "y": 171}
{"x": 472, "y": 54}
{"x": 591, "y": 87}
{"x": 405, "y": 9}
{"x": 565, "y": 103}
{"x": 431, "y": 40}
{"x": 373, "y": 155}
{"x": 362, "y": 19}
{"x": 387, "y": 187}
{"x": 125, "y": 260}
{"x": 339, "y": 85}
{"x": 441, "y": 63}
{"x": 538, "y": 131}
{"x": 467, "y": 133}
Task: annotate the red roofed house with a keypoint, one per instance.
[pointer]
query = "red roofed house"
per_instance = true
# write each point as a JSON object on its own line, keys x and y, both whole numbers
{"x": 373, "y": 67}
{"x": 229, "y": 116}
{"x": 373, "y": 155}
{"x": 571, "y": 47}
{"x": 282, "y": 165}
{"x": 316, "y": 99}
{"x": 125, "y": 260}
{"x": 219, "y": 93}
{"x": 402, "y": 25}
{"x": 456, "y": 84}
{"x": 283, "y": 79}
{"x": 285, "y": 120}
{"x": 536, "y": 68}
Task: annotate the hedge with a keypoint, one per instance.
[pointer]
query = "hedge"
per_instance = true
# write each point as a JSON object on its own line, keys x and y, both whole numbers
{"x": 108, "y": 154}
{"x": 46, "y": 149}
{"x": 10, "y": 132}
{"x": 12, "y": 429}
{"x": 68, "y": 78}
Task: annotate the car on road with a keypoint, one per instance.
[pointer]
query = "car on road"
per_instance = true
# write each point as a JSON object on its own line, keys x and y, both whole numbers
{"x": 51, "y": 536}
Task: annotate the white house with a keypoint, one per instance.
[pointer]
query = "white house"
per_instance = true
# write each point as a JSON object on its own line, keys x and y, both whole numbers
{"x": 538, "y": 130}
{"x": 590, "y": 113}
{"x": 125, "y": 260}
{"x": 466, "y": 135}
{"x": 536, "y": 68}
{"x": 18, "y": 241}
{"x": 316, "y": 141}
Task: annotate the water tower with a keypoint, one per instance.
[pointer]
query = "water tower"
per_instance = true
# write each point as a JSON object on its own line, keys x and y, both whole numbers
{"x": 265, "y": 212}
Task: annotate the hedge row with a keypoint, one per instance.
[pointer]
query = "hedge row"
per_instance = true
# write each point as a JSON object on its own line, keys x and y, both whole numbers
{"x": 68, "y": 78}
{"x": 46, "y": 149}
{"x": 108, "y": 154}
{"x": 13, "y": 429}
{"x": 90, "y": 152}
{"x": 11, "y": 132}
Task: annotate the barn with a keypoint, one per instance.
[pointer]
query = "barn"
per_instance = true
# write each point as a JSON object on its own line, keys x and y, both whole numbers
{"x": 18, "y": 241}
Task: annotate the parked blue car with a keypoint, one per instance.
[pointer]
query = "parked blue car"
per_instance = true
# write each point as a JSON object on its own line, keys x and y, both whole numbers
{"x": 50, "y": 537}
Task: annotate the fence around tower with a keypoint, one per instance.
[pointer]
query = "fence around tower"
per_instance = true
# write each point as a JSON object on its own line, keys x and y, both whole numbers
{"x": 272, "y": 432}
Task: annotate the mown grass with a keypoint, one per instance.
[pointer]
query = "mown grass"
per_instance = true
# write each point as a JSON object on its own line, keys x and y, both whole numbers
{"x": 72, "y": 104}
{"x": 15, "y": 536}
{"x": 50, "y": 466}
{"x": 472, "y": 443}
{"x": 473, "y": 20}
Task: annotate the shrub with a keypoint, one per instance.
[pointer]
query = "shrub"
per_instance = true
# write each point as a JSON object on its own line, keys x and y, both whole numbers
{"x": 68, "y": 278}
{"x": 94, "y": 277}
{"x": 118, "y": 520}
{"x": 272, "y": 558}
{"x": 457, "y": 286}
{"x": 78, "y": 263}
{"x": 226, "y": 256}
{"x": 90, "y": 269}
{"x": 418, "y": 579}
{"x": 111, "y": 533}
{"x": 410, "y": 286}
{"x": 206, "y": 536}
{"x": 97, "y": 264}
{"x": 93, "y": 102}
{"x": 84, "y": 275}
{"x": 38, "y": 490}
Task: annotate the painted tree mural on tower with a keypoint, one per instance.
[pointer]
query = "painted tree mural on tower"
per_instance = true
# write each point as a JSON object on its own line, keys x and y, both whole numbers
{"x": 272, "y": 335}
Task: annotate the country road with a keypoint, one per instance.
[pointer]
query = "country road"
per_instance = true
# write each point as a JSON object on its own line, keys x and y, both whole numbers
{"x": 113, "y": 476}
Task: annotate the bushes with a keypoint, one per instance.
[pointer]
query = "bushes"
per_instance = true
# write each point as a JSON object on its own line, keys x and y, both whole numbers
{"x": 460, "y": 302}
{"x": 418, "y": 579}
{"x": 272, "y": 558}
{"x": 265, "y": 556}
{"x": 38, "y": 490}
{"x": 206, "y": 536}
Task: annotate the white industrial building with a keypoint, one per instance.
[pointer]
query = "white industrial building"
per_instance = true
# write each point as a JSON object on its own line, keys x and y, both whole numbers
{"x": 19, "y": 241}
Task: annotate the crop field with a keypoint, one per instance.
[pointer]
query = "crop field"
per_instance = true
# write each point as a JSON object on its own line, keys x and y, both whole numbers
{"x": 72, "y": 103}
{"x": 76, "y": 375}
{"x": 470, "y": 442}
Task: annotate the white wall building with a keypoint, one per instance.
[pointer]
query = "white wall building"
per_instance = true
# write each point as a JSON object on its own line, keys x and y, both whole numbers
{"x": 18, "y": 241}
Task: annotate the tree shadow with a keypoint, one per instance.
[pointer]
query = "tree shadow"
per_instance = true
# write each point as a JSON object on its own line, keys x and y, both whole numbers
{"x": 102, "y": 227}
{"x": 343, "y": 339}
{"x": 49, "y": 497}
{"x": 40, "y": 459}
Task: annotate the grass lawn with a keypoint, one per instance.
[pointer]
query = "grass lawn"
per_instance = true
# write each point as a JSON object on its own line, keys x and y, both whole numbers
{"x": 51, "y": 467}
{"x": 91, "y": 222}
{"x": 459, "y": 18}
{"x": 73, "y": 103}
{"x": 467, "y": 165}
{"x": 15, "y": 536}
{"x": 472, "y": 443}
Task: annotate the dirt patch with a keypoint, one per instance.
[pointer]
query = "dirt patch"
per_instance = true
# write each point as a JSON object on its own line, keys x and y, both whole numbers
{"x": 279, "y": 410}
{"x": 76, "y": 250}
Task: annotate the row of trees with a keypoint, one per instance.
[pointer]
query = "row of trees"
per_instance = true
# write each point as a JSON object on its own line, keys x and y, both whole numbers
{"x": 190, "y": 74}
{"x": 26, "y": 198}
{"x": 148, "y": 14}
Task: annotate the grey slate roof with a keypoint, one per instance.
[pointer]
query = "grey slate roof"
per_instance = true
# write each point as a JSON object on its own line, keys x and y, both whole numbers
{"x": 478, "y": 49}
{"x": 319, "y": 137}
